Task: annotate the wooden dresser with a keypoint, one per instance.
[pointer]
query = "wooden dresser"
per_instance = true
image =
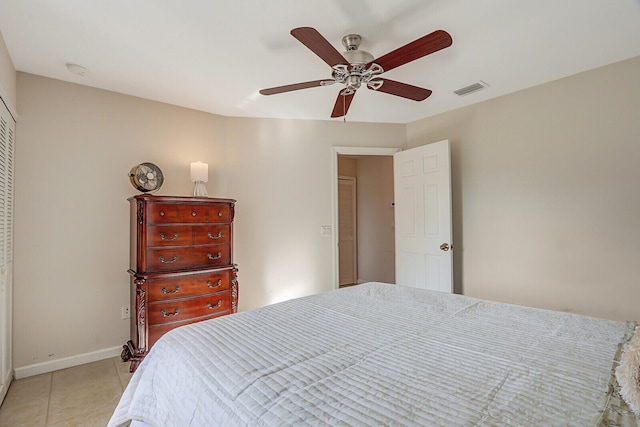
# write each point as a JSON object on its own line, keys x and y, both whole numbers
{"x": 181, "y": 266}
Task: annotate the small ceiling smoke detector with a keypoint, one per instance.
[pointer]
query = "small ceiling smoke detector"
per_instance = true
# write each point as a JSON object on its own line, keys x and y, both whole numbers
{"x": 76, "y": 69}
{"x": 479, "y": 85}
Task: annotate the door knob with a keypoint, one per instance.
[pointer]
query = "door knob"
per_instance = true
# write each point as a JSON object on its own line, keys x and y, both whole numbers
{"x": 444, "y": 247}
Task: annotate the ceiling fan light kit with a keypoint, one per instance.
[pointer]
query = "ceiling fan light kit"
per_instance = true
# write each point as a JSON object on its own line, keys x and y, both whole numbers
{"x": 355, "y": 68}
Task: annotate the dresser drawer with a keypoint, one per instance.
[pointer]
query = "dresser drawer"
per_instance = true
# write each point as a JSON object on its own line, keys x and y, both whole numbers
{"x": 187, "y": 286}
{"x": 210, "y": 234}
{"x": 193, "y": 213}
{"x": 200, "y": 214}
{"x": 184, "y": 235}
{"x": 159, "y": 213}
{"x": 192, "y": 258}
{"x": 170, "y": 235}
{"x": 179, "y": 310}
{"x": 156, "y": 331}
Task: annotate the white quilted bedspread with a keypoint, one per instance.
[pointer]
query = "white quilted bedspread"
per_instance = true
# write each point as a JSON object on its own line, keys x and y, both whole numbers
{"x": 378, "y": 355}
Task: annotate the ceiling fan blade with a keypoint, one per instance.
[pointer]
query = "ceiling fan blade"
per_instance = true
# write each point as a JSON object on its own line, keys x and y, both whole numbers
{"x": 416, "y": 49}
{"x": 296, "y": 86}
{"x": 342, "y": 104}
{"x": 402, "y": 89}
{"x": 312, "y": 39}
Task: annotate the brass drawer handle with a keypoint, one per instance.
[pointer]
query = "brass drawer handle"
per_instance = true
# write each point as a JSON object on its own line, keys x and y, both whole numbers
{"x": 219, "y": 213}
{"x": 166, "y": 292}
{"x": 217, "y": 236}
{"x": 193, "y": 213}
{"x": 213, "y": 258}
{"x": 168, "y": 261}
{"x": 168, "y": 239}
{"x": 213, "y": 307}
{"x": 217, "y": 285}
{"x": 161, "y": 213}
{"x": 165, "y": 314}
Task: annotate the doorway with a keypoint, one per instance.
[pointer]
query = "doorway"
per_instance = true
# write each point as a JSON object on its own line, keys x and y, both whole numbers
{"x": 372, "y": 256}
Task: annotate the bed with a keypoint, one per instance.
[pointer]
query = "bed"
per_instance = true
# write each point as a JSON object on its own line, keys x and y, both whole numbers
{"x": 384, "y": 355}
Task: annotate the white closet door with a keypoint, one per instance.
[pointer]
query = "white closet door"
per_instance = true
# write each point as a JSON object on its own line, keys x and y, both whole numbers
{"x": 7, "y": 133}
{"x": 347, "y": 238}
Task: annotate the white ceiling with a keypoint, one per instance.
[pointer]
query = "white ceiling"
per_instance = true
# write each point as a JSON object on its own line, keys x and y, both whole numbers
{"x": 215, "y": 55}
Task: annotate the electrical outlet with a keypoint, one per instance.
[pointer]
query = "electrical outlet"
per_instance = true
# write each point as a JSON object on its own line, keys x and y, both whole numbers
{"x": 126, "y": 313}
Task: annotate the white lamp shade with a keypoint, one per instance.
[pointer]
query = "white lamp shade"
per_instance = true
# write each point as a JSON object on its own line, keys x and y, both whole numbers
{"x": 199, "y": 172}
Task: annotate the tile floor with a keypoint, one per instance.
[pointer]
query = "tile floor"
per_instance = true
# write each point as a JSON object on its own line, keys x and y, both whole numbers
{"x": 84, "y": 395}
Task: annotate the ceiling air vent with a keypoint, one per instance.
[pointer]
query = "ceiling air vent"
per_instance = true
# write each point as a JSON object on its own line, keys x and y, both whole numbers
{"x": 471, "y": 88}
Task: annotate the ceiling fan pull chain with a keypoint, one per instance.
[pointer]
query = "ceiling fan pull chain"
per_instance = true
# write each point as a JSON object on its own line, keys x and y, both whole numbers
{"x": 344, "y": 108}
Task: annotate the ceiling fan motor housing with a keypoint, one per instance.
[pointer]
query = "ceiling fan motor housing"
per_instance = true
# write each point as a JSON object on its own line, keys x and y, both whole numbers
{"x": 351, "y": 42}
{"x": 356, "y": 73}
{"x": 357, "y": 57}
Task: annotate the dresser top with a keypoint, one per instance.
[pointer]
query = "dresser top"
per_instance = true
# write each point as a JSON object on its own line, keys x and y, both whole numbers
{"x": 179, "y": 199}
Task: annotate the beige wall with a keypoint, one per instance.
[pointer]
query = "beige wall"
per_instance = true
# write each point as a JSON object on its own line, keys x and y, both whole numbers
{"x": 7, "y": 77}
{"x": 75, "y": 146}
{"x": 346, "y": 166}
{"x": 376, "y": 231}
{"x": 280, "y": 171}
{"x": 546, "y": 201}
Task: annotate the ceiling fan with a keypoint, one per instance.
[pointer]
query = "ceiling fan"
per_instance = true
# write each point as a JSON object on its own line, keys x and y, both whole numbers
{"x": 355, "y": 67}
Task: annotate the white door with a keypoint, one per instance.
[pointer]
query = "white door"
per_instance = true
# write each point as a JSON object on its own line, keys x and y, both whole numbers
{"x": 7, "y": 129}
{"x": 422, "y": 192}
{"x": 347, "y": 243}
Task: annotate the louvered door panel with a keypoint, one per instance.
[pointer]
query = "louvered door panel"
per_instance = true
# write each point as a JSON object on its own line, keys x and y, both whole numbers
{"x": 7, "y": 131}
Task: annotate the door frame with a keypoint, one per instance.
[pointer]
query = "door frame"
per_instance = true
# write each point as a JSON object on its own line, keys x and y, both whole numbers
{"x": 347, "y": 151}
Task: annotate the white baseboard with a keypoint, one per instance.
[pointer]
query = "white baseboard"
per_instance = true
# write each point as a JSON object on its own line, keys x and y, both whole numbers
{"x": 66, "y": 362}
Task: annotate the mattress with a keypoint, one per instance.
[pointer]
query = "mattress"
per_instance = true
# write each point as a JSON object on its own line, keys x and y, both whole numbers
{"x": 383, "y": 355}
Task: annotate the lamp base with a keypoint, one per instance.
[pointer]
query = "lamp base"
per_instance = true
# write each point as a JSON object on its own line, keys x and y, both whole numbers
{"x": 199, "y": 190}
